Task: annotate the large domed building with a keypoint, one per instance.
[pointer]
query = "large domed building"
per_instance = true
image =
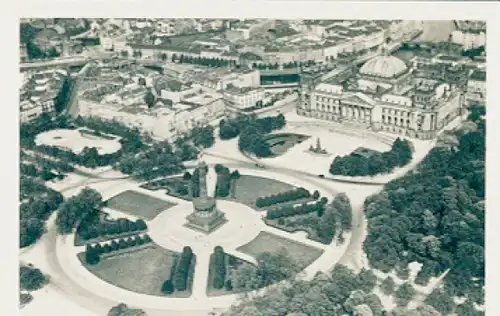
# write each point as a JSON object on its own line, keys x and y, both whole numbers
{"x": 388, "y": 67}
{"x": 385, "y": 94}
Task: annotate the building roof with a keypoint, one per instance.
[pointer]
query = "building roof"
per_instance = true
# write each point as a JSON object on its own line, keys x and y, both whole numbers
{"x": 383, "y": 66}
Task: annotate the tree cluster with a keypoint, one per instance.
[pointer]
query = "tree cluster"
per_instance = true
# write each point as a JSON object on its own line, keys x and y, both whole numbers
{"x": 290, "y": 210}
{"x": 358, "y": 165}
{"x": 271, "y": 268}
{"x": 202, "y": 136}
{"x": 219, "y": 264}
{"x": 202, "y": 61}
{"x": 435, "y": 216}
{"x": 91, "y": 229}
{"x": 181, "y": 274}
{"x": 231, "y": 128}
{"x": 94, "y": 252}
{"x": 31, "y": 278}
{"x": 291, "y": 195}
{"x": 159, "y": 160}
{"x": 34, "y": 212}
{"x": 87, "y": 203}
{"x": 343, "y": 293}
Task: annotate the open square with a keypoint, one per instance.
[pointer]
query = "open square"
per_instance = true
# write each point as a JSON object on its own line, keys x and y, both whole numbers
{"x": 77, "y": 139}
{"x": 266, "y": 242}
{"x": 138, "y": 204}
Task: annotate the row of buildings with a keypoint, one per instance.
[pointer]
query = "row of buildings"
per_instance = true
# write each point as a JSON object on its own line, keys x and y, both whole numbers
{"x": 279, "y": 42}
{"x": 41, "y": 92}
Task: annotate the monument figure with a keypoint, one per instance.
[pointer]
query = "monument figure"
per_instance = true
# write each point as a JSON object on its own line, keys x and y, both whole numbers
{"x": 205, "y": 217}
{"x": 318, "y": 149}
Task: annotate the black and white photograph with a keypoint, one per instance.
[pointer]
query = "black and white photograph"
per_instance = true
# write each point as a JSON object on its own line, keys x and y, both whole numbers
{"x": 251, "y": 166}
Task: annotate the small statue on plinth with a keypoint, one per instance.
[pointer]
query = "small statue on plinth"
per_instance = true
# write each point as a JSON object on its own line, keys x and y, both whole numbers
{"x": 318, "y": 149}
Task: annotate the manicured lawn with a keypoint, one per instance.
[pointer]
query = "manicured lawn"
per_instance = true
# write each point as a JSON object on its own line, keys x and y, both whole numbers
{"x": 266, "y": 242}
{"x": 280, "y": 143}
{"x": 138, "y": 204}
{"x": 247, "y": 189}
{"x": 142, "y": 271}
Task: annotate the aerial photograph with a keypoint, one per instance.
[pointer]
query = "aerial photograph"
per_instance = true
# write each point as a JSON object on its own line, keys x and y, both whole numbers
{"x": 251, "y": 167}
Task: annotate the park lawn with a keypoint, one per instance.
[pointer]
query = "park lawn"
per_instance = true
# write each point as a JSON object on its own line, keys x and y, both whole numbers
{"x": 266, "y": 242}
{"x": 138, "y": 204}
{"x": 281, "y": 143}
{"x": 211, "y": 291}
{"x": 247, "y": 189}
{"x": 143, "y": 270}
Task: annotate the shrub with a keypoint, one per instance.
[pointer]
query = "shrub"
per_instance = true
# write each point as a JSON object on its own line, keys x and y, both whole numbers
{"x": 287, "y": 196}
{"x": 167, "y": 287}
{"x": 31, "y": 278}
{"x": 182, "y": 269}
{"x": 114, "y": 245}
{"x": 92, "y": 257}
{"x": 187, "y": 176}
{"x": 106, "y": 248}
{"x": 122, "y": 244}
{"x": 141, "y": 225}
{"x": 315, "y": 194}
{"x": 294, "y": 210}
{"x": 219, "y": 267}
{"x": 228, "y": 285}
{"x": 147, "y": 239}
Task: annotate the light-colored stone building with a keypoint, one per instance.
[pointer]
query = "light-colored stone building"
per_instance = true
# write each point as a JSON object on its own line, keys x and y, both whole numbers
{"x": 384, "y": 96}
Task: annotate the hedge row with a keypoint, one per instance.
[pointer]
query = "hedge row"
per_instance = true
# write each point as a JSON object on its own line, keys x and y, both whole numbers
{"x": 93, "y": 252}
{"x": 219, "y": 268}
{"x": 286, "y": 211}
{"x": 120, "y": 226}
{"x": 283, "y": 197}
{"x": 223, "y": 186}
{"x": 182, "y": 269}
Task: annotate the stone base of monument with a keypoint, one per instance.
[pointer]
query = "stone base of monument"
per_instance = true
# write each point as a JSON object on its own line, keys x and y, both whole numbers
{"x": 206, "y": 224}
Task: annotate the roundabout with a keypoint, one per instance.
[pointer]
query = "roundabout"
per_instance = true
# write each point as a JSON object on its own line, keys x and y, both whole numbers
{"x": 167, "y": 230}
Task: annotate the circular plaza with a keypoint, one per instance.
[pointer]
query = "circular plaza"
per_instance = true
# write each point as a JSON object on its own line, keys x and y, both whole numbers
{"x": 125, "y": 275}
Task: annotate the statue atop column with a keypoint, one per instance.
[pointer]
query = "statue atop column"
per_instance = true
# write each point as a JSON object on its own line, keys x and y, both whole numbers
{"x": 205, "y": 217}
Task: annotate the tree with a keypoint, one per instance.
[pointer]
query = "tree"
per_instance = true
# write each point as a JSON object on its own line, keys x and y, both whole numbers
{"x": 167, "y": 287}
{"x": 149, "y": 99}
{"x": 388, "y": 286}
{"x": 30, "y": 278}
{"x": 441, "y": 301}
{"x": 404, "y": 294}
{"x": 316, "y": 194}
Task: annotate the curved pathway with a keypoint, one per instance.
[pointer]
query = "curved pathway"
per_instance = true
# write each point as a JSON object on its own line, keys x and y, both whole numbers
{"x": 78, "y": 282}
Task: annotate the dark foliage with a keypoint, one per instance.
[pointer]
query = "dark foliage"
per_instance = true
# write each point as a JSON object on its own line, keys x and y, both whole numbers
{"x": 358, "y": 165}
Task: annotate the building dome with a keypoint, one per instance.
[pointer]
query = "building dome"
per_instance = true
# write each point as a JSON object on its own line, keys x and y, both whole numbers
{"x": 384, "y": 67}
